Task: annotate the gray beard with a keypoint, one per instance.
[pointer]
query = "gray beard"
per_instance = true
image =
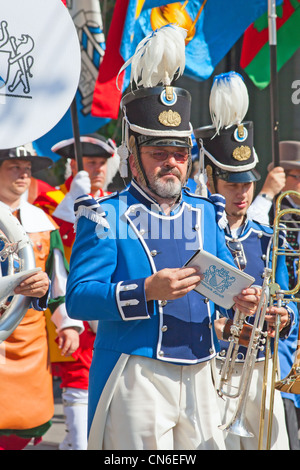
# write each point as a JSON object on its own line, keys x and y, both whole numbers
{"x": 168, "y": 190}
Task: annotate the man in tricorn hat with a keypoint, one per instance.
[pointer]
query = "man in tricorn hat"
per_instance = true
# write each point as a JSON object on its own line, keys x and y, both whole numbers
{"x": 26, "y": 391}
{"x": 150, "y": 379}
{"x": 100, "y": 165}
{"x": 229, "y": 161}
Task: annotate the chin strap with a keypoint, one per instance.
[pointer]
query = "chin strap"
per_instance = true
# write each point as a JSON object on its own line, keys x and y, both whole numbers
{"x": 201, "y": 177}
{"x": 137, "y": 159}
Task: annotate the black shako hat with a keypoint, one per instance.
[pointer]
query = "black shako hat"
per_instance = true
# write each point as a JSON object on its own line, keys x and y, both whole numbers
{"x": 23, "y": 153}
{"x": 230, "y": 153}
{"x": 155, "y": 113}
{"x": 159, "y": 116}
{"x": 226, "y": 147}
{"x": 92, "y": 145}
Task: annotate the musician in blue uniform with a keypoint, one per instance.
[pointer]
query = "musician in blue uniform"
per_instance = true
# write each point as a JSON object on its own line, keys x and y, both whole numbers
{"x": 150, "y": 380}
{"x": 229, "y": 160}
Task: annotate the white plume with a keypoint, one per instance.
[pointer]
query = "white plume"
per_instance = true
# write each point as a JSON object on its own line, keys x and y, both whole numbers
{"x": 158, "y": 57}
{"x": 229, "y": 100}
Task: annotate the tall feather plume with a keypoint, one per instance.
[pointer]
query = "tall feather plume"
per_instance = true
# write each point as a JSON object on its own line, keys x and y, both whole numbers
{"x": 229, "y": 100}
{"x": 158, "y": 57}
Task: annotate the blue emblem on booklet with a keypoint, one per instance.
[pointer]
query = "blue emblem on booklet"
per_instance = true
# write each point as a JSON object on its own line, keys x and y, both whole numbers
{"x": 217, "y": 279}
{"x": 221, "y": 281}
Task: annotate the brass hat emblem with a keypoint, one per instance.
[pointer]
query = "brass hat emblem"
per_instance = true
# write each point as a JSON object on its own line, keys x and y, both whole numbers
{"x": 169, "y": 118}
{"x": 242, "y": 153}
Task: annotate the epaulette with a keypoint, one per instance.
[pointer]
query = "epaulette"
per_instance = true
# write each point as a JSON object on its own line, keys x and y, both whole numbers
{"x": 266, "y": 227}
{"x": 107, "y": 196}
{"x": 219, "y": 202}
{"x": 189, "y": 193}
{"x": 270, "y": 230}
{"x": 89, "y": 207}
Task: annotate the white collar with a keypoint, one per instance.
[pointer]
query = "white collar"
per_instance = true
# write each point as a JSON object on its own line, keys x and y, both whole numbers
{"x": 33, "y": 219}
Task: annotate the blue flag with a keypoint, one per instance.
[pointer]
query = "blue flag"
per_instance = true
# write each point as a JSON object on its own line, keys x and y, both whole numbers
{"x": 213, "y": 28}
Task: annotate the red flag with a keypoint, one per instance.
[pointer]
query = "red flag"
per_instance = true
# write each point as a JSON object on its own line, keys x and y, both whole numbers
{"x": 107, "y": 97}
{"x": 64, "y": 2}
{"x": 255, "y": 56}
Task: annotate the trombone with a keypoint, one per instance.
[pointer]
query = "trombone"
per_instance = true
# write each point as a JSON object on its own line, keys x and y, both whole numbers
{"x": 290, "y": 383}
{"x": 271, "y": 293}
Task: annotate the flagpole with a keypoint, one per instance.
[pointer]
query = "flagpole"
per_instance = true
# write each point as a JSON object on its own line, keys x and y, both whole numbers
{"x": 273, "y": 81}
{"x": 76, "y": 135}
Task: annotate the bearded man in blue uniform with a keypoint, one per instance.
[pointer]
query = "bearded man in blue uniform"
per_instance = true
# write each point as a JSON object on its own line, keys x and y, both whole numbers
{"x": 150, "y": 380}
{"x": 229, "y": 164}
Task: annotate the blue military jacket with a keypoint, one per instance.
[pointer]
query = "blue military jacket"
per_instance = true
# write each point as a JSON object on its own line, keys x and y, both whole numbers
{"x": 112, "y": 256}
{"x": 118, "y": 245}
{"x": 256, "y": 240}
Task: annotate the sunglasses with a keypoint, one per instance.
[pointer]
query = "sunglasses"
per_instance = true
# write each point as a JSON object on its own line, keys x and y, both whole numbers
{"x": 237, "y": 251}
{"x": 162, "y": 155}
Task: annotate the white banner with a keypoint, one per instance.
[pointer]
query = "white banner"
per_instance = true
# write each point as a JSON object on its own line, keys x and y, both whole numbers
{"x": 40, "y": 63}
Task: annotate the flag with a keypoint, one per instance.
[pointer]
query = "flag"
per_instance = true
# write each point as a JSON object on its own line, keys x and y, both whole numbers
{"x": 107, "y": 94}
{"x": 86, "y": 15}
{"x": 255, "y": 55}
{"x": 106, "y": 100}
{"x": 213, "y": 28}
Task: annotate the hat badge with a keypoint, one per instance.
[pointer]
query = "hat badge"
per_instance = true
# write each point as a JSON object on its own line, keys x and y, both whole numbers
{"x": 169, "y": 118}
{"x": 242, "y": 153}
{"x": 240, "y": 134}
{"x": 168, "y": 96}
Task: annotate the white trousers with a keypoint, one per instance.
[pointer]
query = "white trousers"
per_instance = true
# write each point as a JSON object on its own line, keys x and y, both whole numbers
{"x": 160, "y": 406}
{"x": 279, "y": 440}
{"x": 75, "y": 403}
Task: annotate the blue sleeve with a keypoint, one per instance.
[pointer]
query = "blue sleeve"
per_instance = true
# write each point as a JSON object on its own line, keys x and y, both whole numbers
{"x": 41, "y": 303}
{"x": 93, "y": 293}
{"x": 282, "y": 278}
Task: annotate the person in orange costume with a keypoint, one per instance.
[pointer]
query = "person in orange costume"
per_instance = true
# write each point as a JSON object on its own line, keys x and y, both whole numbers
{"x": 37, "y": 186}
{"x": 26, "y": 392}
{"x": 100, "y": 164}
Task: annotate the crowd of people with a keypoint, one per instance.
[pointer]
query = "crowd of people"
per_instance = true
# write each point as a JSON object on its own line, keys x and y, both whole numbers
{"x": 137, "y": 349}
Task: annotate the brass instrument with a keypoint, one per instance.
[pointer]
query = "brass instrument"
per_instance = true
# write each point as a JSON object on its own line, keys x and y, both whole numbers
{"x": 17, "y": 254}
{"x": 291, "y": 383}
{"x": 271, "y": 294}
{"x": 237, "y": 424}
{"x": 279, "y": 295}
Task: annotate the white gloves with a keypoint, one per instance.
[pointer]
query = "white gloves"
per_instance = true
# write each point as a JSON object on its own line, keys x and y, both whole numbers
{"x": 80, "y": 185}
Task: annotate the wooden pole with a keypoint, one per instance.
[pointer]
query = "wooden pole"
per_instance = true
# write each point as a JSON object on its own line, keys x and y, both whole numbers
{"x": 76, "y": 134}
